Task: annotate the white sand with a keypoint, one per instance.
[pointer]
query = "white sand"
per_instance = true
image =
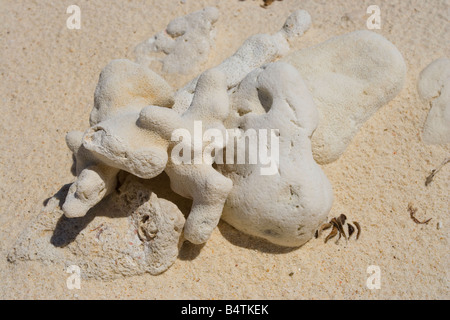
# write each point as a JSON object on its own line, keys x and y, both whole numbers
{"x": 48, "y": 77}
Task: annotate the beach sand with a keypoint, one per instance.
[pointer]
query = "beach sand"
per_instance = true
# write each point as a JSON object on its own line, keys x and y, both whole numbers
{"x": 48, "y": 77}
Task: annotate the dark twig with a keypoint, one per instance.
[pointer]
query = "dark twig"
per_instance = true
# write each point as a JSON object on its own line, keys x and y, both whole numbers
{"x": 434, "y": 171}
{"x": 412, "y": 211}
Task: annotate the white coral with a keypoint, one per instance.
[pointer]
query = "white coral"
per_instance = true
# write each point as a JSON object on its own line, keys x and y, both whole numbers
{"x": 350, "y": 78}
{"x": 135, "y": 115}
{"x": 434, "y": 88}
{"x": 288, "y": 206}
{"x": 138, "y": 140}
{"x": 253, "y": 53}
{"x": 185, "y": 43}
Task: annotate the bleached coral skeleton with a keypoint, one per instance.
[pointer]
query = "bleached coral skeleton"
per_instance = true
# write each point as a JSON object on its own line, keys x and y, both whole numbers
{"x": 136, "y": 113}
{"x": 132, "y": 124}
{"x": 138, "y": 141}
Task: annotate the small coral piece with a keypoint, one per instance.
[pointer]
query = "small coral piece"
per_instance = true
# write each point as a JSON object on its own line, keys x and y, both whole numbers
{"x": 434, "y": 89}
{"x": 124, "y": 88}
{"x": 158, "y": 222}
{"x": 129, "y": 233}
{"x": 185, "y": 43}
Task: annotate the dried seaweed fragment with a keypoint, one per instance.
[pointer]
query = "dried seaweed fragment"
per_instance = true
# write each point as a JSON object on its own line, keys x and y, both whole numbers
{"x": 412, "y": 211}
{"x": 434, "y": 171}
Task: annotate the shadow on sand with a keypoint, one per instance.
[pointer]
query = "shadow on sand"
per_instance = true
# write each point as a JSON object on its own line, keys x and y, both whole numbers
{"x": 67, "y": 229}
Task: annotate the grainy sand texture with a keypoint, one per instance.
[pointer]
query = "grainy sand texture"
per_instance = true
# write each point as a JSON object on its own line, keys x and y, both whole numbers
{"x": 48, "y": 76}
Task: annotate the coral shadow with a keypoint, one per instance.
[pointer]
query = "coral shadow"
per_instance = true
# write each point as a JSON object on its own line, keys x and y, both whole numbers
{"x": 67, "y": 229}
{"x": 190, "y": 251}
{"x": 60, "y": 195}
{"x": 243, "y": 240}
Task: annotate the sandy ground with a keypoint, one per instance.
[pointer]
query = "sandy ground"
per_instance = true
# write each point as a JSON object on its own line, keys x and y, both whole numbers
{"x": 48, "y": 77}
